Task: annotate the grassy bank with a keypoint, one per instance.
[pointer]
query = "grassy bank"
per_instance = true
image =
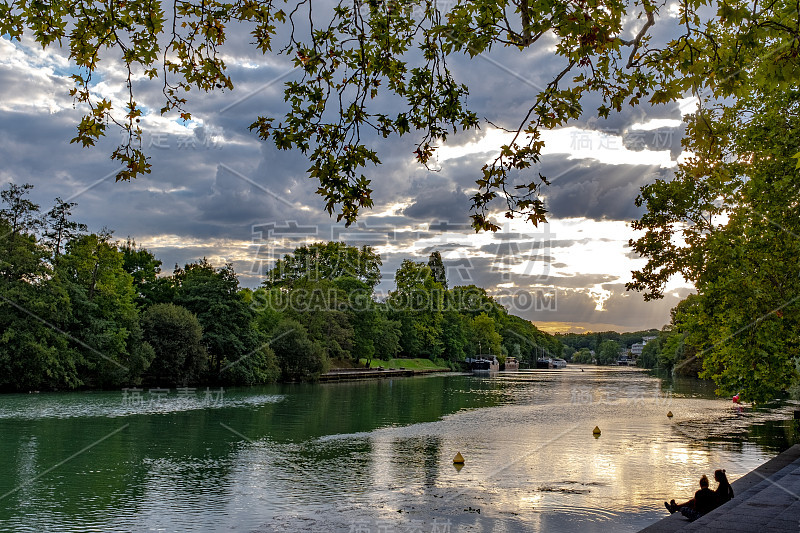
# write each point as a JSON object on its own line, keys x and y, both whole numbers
{"x": 411, "y": 364}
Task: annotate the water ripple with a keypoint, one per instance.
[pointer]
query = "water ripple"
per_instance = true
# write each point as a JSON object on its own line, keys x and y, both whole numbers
{"x": 111, "y": 405}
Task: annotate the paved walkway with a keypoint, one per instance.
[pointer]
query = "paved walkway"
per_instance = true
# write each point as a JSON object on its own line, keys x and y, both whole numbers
{"x": 767, "y": 501}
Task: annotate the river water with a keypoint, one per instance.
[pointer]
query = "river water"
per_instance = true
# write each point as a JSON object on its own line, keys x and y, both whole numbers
{"x": 376, "y": 456}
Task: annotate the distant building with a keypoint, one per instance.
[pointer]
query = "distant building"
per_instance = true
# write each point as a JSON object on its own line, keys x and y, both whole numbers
{"x": 645, "y": 340}
{"x": 636, "y": 349}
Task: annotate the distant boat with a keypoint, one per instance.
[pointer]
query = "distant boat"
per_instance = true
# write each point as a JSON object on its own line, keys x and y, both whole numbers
{"x": 547, "y": 362}
{"x": 510, "y": 364}
{"x": 484, "y": 363}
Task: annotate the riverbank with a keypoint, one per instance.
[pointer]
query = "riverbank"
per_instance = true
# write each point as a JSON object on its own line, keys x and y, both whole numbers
{"x": 406, "y": 364}
{"x": 350, "y": 374}
{"x": 380, "y": 368}
{"x": 767, "y": 499}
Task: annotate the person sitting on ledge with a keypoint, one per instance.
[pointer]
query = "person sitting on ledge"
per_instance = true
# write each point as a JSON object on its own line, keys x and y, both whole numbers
{"x": 704, "y": 500}
{"x": 724, "y": 491}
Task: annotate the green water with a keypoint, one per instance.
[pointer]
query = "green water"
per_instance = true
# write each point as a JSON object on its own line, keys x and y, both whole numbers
{"x": 376, "y": 455}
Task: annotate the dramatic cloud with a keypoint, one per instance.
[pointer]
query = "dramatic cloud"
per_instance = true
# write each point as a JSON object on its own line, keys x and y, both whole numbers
{"x": 217, "y": 191}
{"x": 594, "y": 190}
{"x": 439, "y": 205}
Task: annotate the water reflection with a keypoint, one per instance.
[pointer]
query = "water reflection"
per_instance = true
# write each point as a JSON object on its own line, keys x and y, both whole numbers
{"x": 335, "y": 456}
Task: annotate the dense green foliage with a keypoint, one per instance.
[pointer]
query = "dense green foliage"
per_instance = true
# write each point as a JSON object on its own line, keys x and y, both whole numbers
{"x": 608, "y": 352}
{"x": 326, "y": 260}
{"x": 422, "y": 318}
{"x": 80, "y": 310}
{"x": 583, "y": 357}
{"x": 176, "y": 337}
{"x": 593, "y": 340}
{"x": 729, "y": 223}
{"x": 604, "y": 348}
{"x": 33, "y": 355}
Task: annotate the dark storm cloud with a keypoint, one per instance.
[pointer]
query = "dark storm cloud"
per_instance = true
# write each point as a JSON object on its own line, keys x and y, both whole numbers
{"x": 236, "y": 198}
{"x": 444, "y": 195}
{"x": 491, "y": 271}
{"x": 383, "y": 222}
{"x": 513, "y": 253}
{"x": 444, "y": 247}
{"x": 630, "y": 311}
{"x": 566, "y": 243}
{"x": 621, "y": 122}
{"x": 504, "y": 84}
{"x": 189, "y": 192}
{"x": 622, "y": 311}
{"x": 456, "y": 226}
{"x": 546, "y": 304}
{"x": 439, "y": 204}
{"x": 656, "y": 139}
{"x": 579, "y": 187}
{"x": 26, "y": 136}
{"x": 581, "y": 281}
{"x": 539, "y": 235}
{"x": 595, "y": 190}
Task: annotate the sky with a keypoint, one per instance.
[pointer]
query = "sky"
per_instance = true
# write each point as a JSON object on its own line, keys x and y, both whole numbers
{"x": 217, "y": 191}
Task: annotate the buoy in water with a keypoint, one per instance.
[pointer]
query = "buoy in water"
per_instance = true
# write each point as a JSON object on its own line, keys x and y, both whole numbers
{"x": 669, "y": 414}
{"x": 458, "y": 459}
{"x": 596, "y": 431}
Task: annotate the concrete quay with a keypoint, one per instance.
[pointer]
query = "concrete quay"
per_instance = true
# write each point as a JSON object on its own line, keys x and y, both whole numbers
{"x": 767, "y": 500}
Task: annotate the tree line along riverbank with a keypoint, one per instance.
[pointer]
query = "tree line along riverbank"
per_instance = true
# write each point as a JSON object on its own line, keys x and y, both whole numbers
{"x": 82, "y": 310}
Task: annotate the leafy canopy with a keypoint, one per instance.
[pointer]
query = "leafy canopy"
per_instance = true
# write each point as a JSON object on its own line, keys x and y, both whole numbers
{"x": 325, "y": 261}
{"x": 729, "y": 223}
{"x": 350, "y": 56}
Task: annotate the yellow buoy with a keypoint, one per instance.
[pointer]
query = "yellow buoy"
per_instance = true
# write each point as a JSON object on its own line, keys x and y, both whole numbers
{"x": 669, "y": 414}
{"x": 458, "y": 466}
{"x": 458, "y": 459}
{"x": 596, "y": 431}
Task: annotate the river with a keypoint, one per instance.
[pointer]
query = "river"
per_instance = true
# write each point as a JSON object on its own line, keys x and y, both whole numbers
{"x": 376, "y": 456}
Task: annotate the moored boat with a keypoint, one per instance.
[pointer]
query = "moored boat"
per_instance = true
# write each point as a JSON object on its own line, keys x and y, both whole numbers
{"x": 548, "y": 362}
{"x": 484, "y": 363}
{"x": 510, "y": 364}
